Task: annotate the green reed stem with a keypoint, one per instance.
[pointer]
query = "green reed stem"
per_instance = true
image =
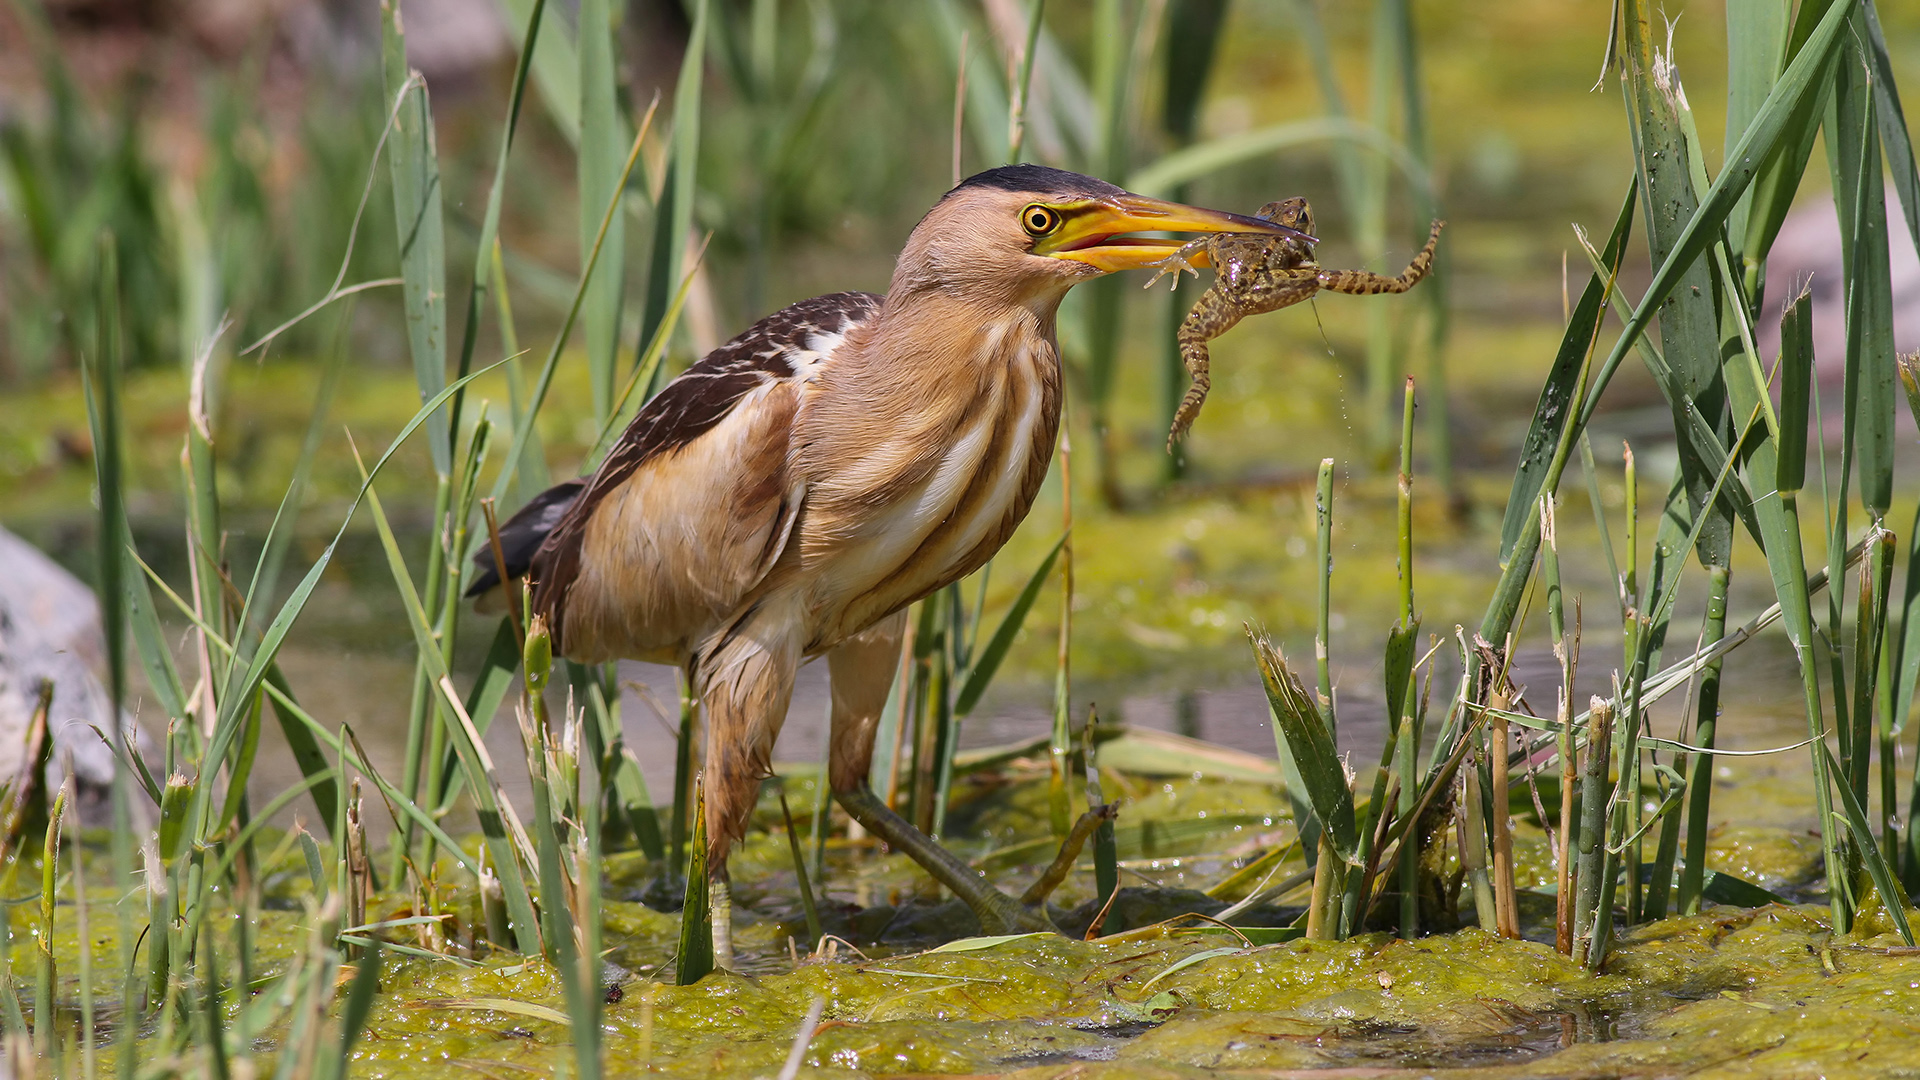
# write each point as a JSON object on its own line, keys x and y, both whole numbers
{"x": 1323, "y": 524}
{"x": 1017, "y": 106}
{"x": 683, "y": 770}
{"x": 1706, "y": 721}
{"x": 46, "y": 1026}
{"x": 1636, "y": 639}
{"x": 1059, "y": 799}
{"x": 1406, "y": 724}
{"x": 1106, "y": 855}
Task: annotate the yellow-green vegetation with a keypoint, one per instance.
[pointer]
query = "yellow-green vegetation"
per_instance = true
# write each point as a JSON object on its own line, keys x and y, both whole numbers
{"x": 1771, "y": 991}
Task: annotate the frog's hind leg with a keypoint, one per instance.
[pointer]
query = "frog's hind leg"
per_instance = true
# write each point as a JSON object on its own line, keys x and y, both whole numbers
{"x": 1194, "y": 354}
{"x": 1365, "y": 283}
{"x": 1200, "y": 325}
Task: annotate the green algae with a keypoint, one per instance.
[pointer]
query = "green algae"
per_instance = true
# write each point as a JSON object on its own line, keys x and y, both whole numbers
{"x": 1768, "y": 992}
{"x": 1764, "y": 992}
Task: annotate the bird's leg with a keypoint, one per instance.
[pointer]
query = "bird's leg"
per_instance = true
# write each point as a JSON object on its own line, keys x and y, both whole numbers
{"x": 745, "y": 681}
{"x": 862, "y": 671}
{"x": 998, "y": 912}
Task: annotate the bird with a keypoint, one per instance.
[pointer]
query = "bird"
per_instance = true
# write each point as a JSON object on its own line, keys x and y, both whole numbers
{"x": 790, "y": 494}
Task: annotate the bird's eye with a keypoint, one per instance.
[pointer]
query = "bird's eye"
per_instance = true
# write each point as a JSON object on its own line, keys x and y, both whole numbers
{"x": 1039, "y": 220}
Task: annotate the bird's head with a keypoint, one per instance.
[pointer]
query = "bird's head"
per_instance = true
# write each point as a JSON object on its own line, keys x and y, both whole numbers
{"x": 1022, "y": 234}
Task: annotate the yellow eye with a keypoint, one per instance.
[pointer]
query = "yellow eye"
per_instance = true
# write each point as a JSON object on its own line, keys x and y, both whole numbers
{"x": 1039, "y": 220}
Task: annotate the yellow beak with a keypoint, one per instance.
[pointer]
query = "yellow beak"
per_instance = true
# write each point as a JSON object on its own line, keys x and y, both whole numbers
{"x": 1093, "y": 234}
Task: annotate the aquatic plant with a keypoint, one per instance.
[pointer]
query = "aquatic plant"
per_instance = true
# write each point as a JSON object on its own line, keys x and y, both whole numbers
{"x": 1742, "y": 462}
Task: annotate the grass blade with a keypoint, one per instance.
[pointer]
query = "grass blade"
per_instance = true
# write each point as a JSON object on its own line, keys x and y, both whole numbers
{"x": 1892, "y": 896}
{"x": 1310, "y": 744}
{"x": 1853, "y": 152}
{"x": 1537, "y": 451}
{"x": 497, "y": 820}
{"x": 1210, "y": 156}
{"x": 1774, "y": 123}
{"x": 981, "y": 674}
{"x": 1779, "y": 178}
{"x": 695, "y": 961}
{"x": 245, "y": 682}
{"x": 555, "y": 66}
{"x": 602, "y": 133}
{"x": 1895, "y": 142}
{"x": 1756, "y": 37}
{"x": 487, "y": 248}
{"x": 523, "y": 429}
{"x": 673, "y": 217}
{"x": 414, "y": 165}
{"x": 801, "y": 877}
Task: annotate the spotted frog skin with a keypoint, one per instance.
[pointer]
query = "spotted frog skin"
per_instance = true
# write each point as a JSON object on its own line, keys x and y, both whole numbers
{"x": 1255, "y": 273}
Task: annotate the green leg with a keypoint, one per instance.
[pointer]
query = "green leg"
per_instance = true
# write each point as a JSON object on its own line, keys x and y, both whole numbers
{"x": 998, "y": 912}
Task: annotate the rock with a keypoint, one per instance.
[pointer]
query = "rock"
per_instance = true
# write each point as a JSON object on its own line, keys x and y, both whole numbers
{"x": 50, "y": 629}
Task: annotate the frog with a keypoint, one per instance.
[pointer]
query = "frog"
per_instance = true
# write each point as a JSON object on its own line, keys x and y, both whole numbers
{"x": 1255, "y": 273}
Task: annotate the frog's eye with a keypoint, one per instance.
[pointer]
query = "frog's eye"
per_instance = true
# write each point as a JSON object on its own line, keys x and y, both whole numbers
{"x": 1039, "y": 220}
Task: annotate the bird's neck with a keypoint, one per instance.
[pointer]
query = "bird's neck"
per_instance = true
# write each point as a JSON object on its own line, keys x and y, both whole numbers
{"x": 932, "y": 340}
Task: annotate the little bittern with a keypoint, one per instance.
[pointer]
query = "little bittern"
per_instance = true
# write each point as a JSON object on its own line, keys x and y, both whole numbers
{"x": 789, "y": 495}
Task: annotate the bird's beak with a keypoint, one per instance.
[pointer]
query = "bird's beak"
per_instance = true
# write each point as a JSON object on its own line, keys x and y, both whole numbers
{"x": 1093, "y": 234}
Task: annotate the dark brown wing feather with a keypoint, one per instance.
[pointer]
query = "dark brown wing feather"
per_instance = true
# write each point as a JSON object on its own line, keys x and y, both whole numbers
{"x": 687, "y": 408}
{"x": 522, "y": 534}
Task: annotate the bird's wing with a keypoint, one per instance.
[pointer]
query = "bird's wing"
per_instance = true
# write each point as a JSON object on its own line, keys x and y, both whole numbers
{"x": 520, "y": 536}
{"x": 695, "y": 502}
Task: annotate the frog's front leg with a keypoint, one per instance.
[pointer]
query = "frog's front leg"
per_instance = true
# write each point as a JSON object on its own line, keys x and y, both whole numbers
{"x": 1180, "y": 262}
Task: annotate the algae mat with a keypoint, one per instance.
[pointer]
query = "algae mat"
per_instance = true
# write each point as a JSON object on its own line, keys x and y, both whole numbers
{"x": 1768, "y": 992}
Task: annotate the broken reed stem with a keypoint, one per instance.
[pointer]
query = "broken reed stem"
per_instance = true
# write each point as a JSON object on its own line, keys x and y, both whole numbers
{"x": 1563, "y": 715}
{"x": 1505, "y": 903}
{"x": 1320, "y": 923}
{"x": 1056, "y": 873}
{"x": 1594, "y": 796}
{"x": 1473, "y": 847}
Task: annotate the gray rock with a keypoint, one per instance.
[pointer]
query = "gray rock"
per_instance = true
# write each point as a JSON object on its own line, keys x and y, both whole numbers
{"x": 50, "y": 629}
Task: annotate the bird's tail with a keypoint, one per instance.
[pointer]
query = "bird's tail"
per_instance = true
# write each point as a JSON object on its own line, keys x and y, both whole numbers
{"x": 520, "y": 536}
